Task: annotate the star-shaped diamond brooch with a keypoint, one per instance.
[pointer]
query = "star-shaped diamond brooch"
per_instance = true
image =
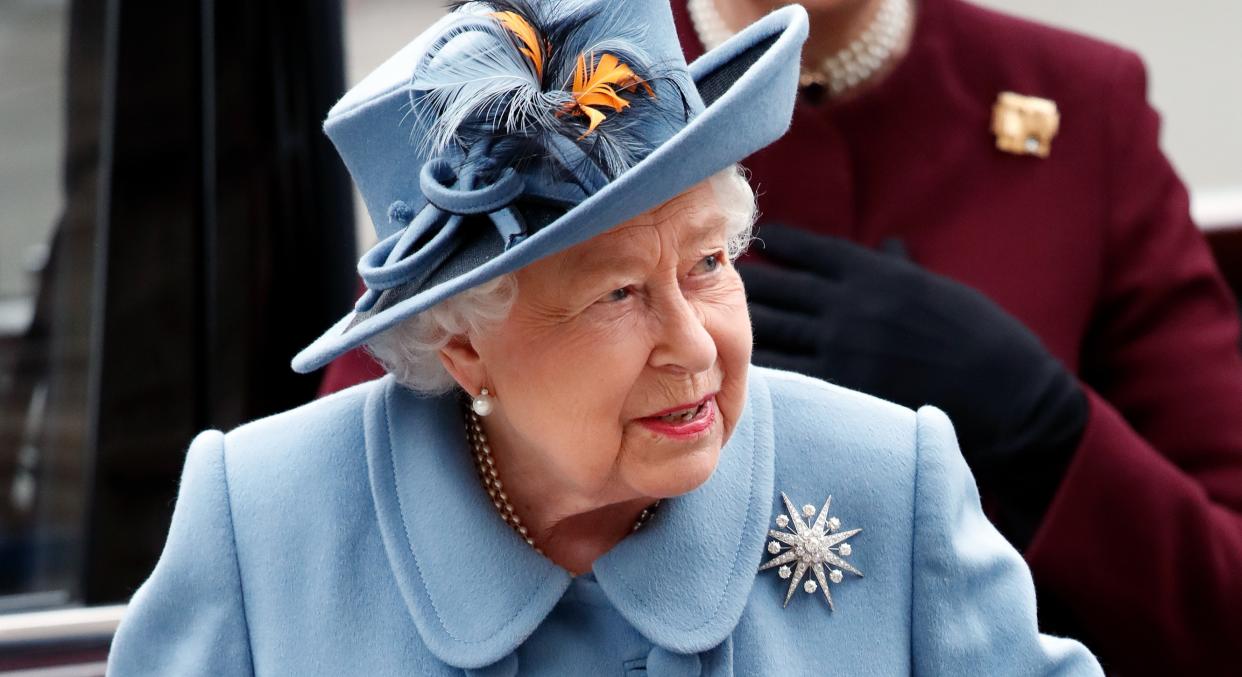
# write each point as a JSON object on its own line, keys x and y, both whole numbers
{"x": 809, "y": 547}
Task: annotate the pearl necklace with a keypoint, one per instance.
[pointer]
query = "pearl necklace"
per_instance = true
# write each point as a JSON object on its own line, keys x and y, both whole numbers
{"x": 486, "y": 467}
{"x": 853, "y": 65}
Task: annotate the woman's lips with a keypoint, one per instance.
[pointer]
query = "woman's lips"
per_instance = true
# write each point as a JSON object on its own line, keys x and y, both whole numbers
{"x": 694, "y": 422}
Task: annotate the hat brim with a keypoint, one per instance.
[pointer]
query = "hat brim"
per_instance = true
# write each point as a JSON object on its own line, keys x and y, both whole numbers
{"x": 748, "y": 85}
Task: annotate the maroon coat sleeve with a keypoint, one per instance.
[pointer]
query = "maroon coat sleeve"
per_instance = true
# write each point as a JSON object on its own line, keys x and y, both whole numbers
{"x": 1144, "y": 539}
{"x": 349, "y": 369}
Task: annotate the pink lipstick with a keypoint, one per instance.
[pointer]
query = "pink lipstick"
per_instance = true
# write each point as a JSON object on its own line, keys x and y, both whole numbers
{"x": 683, "y": 422}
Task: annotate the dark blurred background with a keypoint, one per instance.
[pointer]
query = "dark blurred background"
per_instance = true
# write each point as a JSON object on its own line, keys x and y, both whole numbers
{"x": 174, "y": 226}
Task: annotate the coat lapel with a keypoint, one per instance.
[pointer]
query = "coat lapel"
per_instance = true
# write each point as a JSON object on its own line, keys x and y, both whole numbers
{"x": 475, "y": 590}
{"x": 684, "y": 579}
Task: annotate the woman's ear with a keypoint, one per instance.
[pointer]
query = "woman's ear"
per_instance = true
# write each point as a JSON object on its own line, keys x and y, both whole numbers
{"x": 464, "y": 364}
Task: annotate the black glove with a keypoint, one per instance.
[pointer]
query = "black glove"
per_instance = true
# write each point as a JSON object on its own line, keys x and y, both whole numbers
{"x": 882, "y": 325}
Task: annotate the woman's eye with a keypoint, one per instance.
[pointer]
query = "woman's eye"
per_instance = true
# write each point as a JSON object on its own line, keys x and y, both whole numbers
{"x": 617, "y": 295}
{"x": 709, "y": 264}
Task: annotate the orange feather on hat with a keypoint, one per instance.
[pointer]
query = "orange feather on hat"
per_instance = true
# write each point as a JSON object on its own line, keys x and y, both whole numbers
{"x": 596, "y": 87}
{"x": 525, "y": 32}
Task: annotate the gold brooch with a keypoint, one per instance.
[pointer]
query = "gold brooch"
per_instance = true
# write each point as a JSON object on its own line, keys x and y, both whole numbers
{"x": 1025, "y": 125}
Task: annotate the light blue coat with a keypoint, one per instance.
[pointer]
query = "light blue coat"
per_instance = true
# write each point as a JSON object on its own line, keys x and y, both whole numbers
{"x": 352, "y": 537}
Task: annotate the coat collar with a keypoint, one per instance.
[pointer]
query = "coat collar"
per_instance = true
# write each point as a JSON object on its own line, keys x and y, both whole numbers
{"x": 476, "y": 591}
{"x": 683, "y": 580}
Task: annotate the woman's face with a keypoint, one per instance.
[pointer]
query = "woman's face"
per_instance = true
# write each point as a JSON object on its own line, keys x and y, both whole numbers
{"x": 607, "y": 338}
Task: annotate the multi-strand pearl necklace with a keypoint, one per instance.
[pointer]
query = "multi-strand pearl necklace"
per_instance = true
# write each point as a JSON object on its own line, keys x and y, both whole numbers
{"x": 486, "y": 466}
{"x": 853, "y": 65}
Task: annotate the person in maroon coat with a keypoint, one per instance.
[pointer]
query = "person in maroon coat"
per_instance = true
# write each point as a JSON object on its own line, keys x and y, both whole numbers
{"x": 1053, "y": 297}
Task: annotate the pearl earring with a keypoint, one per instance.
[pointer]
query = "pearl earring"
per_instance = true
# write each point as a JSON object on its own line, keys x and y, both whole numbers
{"x": 483, "y": 404}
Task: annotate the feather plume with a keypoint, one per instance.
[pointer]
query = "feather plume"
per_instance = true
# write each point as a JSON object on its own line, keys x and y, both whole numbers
{"x": 532, "y": 46}
{"x": 509, "y": 73}
{"x": 596, "y": 86}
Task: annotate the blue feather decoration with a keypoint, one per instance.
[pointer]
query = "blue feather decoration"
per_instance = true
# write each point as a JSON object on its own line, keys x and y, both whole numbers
{"x": 502, "y": 77}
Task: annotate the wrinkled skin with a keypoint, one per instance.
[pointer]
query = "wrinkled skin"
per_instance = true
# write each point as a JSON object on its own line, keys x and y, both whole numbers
{"x": 645, "y": 317}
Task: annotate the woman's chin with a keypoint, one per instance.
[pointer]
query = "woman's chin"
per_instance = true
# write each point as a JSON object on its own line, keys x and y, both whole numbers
{"x": 668, "y": 475}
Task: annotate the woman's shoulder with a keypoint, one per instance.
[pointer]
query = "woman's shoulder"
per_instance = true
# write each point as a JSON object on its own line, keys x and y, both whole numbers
{"x": 809, "y": 413}
{"x": 1030, "y": 52}
{"x": 825, "y": 434}
{"x": 318, "y": 447}
{"x": 882, "y": 465}
{"x": 317, "y": 427}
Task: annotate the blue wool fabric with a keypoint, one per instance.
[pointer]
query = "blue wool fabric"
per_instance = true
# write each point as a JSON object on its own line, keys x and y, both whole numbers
{"x": 351, "y": 536}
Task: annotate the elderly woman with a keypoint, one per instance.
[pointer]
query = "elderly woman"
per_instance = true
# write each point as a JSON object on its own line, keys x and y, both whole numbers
{"x": 571, "y": 468}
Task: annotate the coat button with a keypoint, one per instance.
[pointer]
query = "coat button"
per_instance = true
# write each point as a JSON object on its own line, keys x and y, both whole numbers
{"x": 505, "y": 667}
{"x": 664, "y": 663}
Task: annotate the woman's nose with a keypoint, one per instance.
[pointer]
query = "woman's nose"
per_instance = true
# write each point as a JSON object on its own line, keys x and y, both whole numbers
{"x": 682, "y": 340}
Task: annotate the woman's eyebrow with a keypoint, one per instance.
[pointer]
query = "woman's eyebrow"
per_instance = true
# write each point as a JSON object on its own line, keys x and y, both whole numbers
{"x": 614, "y": 260}
{"x": 622, "y": 257}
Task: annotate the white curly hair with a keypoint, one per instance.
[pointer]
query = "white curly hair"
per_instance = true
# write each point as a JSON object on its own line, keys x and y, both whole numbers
{"x": 410, "y": 351}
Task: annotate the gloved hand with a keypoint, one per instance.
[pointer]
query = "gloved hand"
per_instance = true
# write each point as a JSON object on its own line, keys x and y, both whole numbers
{"x": 880, "y": 324}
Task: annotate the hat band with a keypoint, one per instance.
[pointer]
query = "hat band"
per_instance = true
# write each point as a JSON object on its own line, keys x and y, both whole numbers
{"x": 428, "y": 239}
{"x": 408, "y": 255}
{"x": 503, "y": 191}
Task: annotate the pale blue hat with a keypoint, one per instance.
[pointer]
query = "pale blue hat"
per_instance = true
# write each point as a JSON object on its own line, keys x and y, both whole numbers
{"x": 513, "y": 129}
